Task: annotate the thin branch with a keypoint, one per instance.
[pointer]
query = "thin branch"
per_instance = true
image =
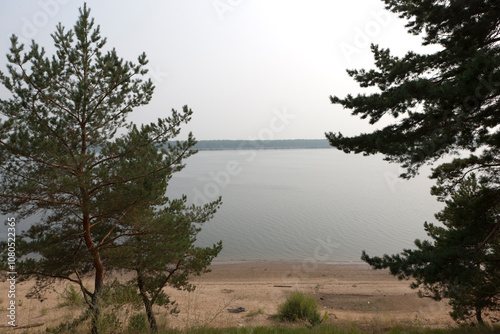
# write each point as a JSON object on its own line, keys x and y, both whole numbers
{"x": 119, "y": 83}
{"x": 176, "y": 161}
{"x": 462, "y": 178}
{"x": 119, "y": 236}
{"x": 46, "y": 96}
{"x": 102, "y": 100}
{"x": 86, "y": 293}
{"x": 26, "y": 178}
{"x": 55, "y": 276}
{"x": 29, "y": 198}
{"x": 165, "y": 281}
{"x": 54, "y": 133}
{"x": 114, "y": 226}
{"x": 30, "y": 157}
{"x": 493, "y": 232}
{"x": 133, "y": 148}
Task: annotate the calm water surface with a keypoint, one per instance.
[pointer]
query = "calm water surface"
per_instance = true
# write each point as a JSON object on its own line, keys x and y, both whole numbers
{"x": 305, "y": 205}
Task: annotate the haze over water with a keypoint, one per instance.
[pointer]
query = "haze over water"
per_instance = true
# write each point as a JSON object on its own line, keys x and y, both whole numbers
{"x": 318, "y": 205}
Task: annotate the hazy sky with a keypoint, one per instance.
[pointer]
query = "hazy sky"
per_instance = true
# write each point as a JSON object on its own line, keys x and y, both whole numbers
{"x": 248, "y": 68}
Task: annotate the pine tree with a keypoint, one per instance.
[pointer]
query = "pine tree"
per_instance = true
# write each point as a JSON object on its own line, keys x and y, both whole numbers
{"x": 461, "y": 261}
{"x": 61, "y": 154}
{"x": 166, "y": 254}
{"x": 161, "y": 233}
{"x": 443, "y": 103}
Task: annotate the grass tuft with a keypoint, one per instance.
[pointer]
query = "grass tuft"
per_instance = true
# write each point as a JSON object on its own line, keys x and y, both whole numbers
{"x": 298, "y": 307}
{"x": 138, "y": 323}
{"x": 44, "y": 311}
{"x": 253, "y": 313}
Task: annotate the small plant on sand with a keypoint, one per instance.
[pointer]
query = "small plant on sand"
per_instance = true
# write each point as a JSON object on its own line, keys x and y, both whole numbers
{"x": 298, "y": 307}
{"x": 254, "y": 312}
{"x": 316, "y": 319}
{"x": 70, "y": 297}
{"x": 44, "y": 311}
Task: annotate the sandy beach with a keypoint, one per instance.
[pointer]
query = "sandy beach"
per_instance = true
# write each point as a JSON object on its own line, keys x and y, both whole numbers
{"x": 348, "y": 292}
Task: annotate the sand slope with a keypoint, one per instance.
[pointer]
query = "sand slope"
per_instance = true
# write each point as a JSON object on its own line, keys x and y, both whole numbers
{"x": 346, "y": 292}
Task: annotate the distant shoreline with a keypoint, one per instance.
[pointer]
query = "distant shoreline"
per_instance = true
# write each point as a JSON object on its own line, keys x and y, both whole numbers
{"x": 282, "y": 144}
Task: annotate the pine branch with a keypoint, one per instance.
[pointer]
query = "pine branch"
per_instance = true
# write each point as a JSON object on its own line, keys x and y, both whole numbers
{"x": 131, "y": 234}
{"x": 38, "y": 273}
{"x": 492, "y": 234}
{"x": 54, "y": 133}
{"x": 160, "y": 286}
{"x": 37, "y": 199}
{"x": 136, "y": 147}
{"x": 40, "y": 90}
{"x": 86, "y": 293}
{"x": 28, "y": 156}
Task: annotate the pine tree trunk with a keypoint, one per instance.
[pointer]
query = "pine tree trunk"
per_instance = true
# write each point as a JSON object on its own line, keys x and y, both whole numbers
{"x": 96, "y": 303}
{"x": 151, "y": 317}
{"x": 99, "y": 272}
{"x": 479, "y": 316}
{"x": 148, "y": 304}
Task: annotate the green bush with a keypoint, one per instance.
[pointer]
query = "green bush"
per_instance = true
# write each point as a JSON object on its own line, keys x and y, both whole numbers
{"x": 138, "y": 323}
{"x": 298, "y": 307}
{"x": 109, "y": 322}
{"x": 71, "y": 297}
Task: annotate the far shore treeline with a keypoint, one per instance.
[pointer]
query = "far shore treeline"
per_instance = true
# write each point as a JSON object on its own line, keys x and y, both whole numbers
{"x": 212, "y": 145}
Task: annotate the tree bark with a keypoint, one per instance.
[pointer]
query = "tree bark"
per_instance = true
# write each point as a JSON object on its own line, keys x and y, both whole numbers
{"x": 99, "y": 273}
{"x": 96, "y": 301}
{"x": 148, "y": 304}
{"x": 96, "y": 312}
{"x": 151, "y": 317}
{"x": 479, "y": 316}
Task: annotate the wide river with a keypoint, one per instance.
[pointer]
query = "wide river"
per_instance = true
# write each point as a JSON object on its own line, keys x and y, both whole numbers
{"x": 316, "y": 205}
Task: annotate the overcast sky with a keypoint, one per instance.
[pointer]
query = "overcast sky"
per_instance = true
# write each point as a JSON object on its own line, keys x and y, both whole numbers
{"x": 248, "y": 68}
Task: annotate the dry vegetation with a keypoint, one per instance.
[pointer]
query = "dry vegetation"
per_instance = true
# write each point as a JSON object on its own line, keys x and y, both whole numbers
{"x": 353, "y": 296}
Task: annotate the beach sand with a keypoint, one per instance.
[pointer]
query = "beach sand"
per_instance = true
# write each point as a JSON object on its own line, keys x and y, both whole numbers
{"x": 348, "y": 292}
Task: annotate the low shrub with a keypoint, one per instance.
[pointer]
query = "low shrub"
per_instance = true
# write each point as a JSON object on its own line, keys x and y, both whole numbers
{"x": 298, "y": 307}
{"x": 255, "y": 312}
{"x": 138, "y": 323}
{"x": 71, "y": 297}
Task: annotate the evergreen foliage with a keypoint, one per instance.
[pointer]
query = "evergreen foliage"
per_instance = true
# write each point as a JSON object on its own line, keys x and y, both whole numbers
{"x": 461, "y": 262}
{"x": 161, "y": 248}
{"x": 444, "y": 103}
{"x": 67, "y": 151}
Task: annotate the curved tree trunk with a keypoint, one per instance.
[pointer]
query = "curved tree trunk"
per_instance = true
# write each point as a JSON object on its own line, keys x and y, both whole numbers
{"x": 479, "y": 316}
{"x": 151, "y": 317}
{"x": 96, "y": 303}
{"x": 99, "y": 273}
{"x": 148, "y": 304}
